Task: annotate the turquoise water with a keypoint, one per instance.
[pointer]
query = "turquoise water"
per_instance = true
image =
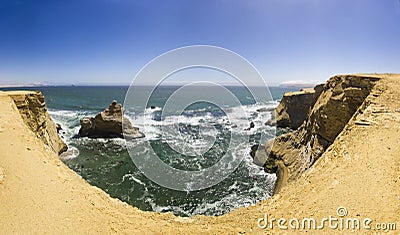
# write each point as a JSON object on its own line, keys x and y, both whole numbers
{"x": 106, "y": 163}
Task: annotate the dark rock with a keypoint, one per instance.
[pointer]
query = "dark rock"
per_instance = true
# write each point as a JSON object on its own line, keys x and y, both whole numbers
{"x": 111, "y": 123}
{"x": 252, "y": 125}
{"x": 254, "y": 148}
{"x": 271, "y": 167}
{"x": 260, "y": 155}
{"x": 265, "y": 110}
{"x": 58, "y": 127}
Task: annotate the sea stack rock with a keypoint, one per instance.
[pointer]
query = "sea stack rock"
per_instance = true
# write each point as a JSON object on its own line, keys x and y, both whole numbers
{"x": 111, "y": 123}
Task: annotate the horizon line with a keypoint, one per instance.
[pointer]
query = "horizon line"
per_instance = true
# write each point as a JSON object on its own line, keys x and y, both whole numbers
{"x": 144, "y": 85}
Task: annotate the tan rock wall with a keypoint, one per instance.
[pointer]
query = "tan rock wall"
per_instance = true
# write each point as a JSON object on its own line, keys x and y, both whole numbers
{"x": 341, "y": 98}
{"x": 32, "y": 107}
{"x": 294, "y": 107}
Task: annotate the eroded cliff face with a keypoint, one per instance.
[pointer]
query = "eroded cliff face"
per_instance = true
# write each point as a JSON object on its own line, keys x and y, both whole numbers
{"x": 294, "y": 107}
{"x": 32, "y": 107}
{"x": 342, "y": 97}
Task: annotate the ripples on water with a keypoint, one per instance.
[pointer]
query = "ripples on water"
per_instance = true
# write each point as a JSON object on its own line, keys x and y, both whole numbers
{"x": 106, "y": 163}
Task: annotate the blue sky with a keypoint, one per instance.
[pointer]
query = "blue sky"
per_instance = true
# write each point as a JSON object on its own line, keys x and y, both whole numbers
{"x": 108, "y": 41}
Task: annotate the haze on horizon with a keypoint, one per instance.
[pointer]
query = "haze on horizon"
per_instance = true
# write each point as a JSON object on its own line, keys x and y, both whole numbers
{"x": 107, "y": 42}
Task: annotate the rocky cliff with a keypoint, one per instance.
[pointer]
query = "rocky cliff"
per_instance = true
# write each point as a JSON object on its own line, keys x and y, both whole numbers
{"x": 293, "y": 109}
{"x": 32, "y": 107}
{"x": 293, "y": 153}
{"x": 359, "y": 173}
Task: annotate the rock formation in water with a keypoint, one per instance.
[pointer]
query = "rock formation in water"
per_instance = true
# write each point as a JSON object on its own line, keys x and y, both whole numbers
{"x": 293, "y": 109}
{"x": 110, "y": 123}
{"x": 340, "y": 98}
{"x": 251, "y": 126}
{"x": 32, "y": 107}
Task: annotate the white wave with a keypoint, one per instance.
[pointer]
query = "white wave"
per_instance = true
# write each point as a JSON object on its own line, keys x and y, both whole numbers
{"x": 153, "y": 131}
{"x": 63, "y": 113}
{"x": 152, "y": 110}
{"x": 132, "y": 177}
{"x": 71, "y": 153}
{"x": 237, "y": 122}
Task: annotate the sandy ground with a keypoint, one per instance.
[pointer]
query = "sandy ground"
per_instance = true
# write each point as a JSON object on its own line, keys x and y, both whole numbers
{"x": 360, "y": 172}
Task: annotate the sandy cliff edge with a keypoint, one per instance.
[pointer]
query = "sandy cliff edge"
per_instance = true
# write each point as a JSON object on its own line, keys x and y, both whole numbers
{"x": 360, "y": 171}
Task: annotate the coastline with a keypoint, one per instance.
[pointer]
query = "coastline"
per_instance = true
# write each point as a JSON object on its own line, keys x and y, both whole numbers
{"x": 359, "y": 171}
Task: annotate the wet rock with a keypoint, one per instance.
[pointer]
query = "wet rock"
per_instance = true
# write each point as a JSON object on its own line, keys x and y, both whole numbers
{"x": 260, "y": 155}
{"x": 58, "y": 127}
{"x": 261, "y": 110}
{"x": 252, "y": 125}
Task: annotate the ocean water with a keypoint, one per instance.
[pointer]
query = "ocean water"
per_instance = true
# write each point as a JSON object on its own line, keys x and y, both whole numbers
{"x": 106, "y": 163}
